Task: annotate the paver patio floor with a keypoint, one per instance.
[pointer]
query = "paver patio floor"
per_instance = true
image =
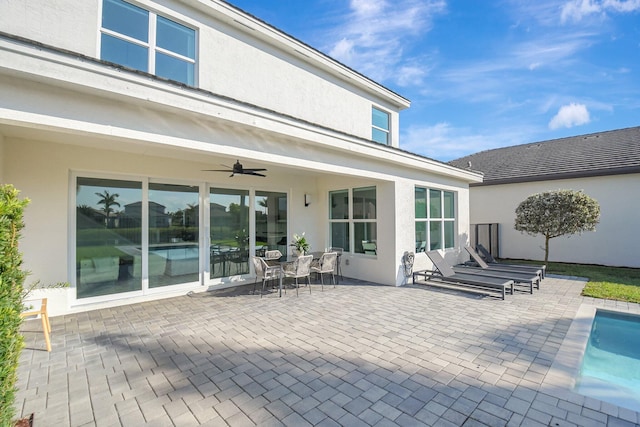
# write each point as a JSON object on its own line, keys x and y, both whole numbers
{"x": 357, "y": 355}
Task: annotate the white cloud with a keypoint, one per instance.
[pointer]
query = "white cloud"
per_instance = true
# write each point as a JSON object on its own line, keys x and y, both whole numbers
{"x": 575, "y": 10}
{"x": 375, "y": 34}
{"x": 444, "y": 142}
{"x": 569, "y": 116}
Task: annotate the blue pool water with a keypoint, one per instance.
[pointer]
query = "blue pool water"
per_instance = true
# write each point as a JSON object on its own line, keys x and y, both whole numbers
{"x": 611, "y": 364}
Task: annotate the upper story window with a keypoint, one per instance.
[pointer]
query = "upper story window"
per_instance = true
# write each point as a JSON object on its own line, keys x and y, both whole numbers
{"x": 380, "y": 126}
{"x": 140, "y": 39}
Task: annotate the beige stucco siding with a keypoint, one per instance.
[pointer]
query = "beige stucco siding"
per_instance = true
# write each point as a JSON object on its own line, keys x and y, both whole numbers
{"x": 230, "y": 61}
{"x": 615, "y": 241}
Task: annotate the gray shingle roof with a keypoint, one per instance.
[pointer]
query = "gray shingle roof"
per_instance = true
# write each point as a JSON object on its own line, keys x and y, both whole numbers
{"x": 604, "y": 153}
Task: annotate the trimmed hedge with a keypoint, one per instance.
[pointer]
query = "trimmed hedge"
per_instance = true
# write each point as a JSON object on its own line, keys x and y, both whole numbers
{"x": 11, "y": 289}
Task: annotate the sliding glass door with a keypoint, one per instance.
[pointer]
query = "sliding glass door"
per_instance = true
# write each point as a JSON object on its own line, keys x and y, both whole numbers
{"x": 108, "y": 236}
{"x": 136, "y": 235}
{"x": 229, "y": 225}
{"x": 174, "y": 227}
{"x": 271, "y": 221}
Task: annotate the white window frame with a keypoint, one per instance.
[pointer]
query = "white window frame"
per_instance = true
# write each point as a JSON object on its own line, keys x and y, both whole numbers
{"x": 387, "y": 131}
{"x": 351, "y": 221}
{"x": 428, "y": 220}
{"x": 151, "y": 46}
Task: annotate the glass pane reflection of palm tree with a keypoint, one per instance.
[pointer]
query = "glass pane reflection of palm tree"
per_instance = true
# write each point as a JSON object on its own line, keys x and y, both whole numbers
{"x": 108, "y": 200}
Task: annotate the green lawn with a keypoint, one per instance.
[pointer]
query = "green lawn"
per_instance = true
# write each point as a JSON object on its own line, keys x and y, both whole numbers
{"x": 616, "y": 283}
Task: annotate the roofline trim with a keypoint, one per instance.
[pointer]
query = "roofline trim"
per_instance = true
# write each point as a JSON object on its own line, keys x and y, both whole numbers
{"x": 559, "y": 176}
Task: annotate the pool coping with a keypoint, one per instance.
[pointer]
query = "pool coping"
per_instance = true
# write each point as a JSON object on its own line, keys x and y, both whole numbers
{"x": 565, "y": 369}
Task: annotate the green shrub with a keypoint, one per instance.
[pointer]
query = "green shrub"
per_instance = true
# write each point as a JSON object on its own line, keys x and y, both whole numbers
{"x": 11, "y": 288}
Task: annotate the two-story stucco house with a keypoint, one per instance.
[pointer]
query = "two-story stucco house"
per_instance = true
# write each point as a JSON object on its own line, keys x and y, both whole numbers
{"x": 122, "y": 122}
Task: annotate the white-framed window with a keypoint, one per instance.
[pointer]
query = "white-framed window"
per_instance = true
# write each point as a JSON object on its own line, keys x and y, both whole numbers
{"x": 145, "y": 41}
{"x": 435, "y": 219}
{"x": 353, "y": 220}
{"x": 380, "y": 125}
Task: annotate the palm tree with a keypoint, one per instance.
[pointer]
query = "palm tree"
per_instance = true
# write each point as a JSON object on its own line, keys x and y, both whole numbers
{"x": 108, "y": 200}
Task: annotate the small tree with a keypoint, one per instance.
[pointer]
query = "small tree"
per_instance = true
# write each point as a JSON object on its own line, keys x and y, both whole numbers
{"x": 557, "y": 213}
{"x": 11, "y": 293}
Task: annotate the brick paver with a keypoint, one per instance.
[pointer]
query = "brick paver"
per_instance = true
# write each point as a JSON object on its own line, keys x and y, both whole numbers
{"x": 357, "y": 354}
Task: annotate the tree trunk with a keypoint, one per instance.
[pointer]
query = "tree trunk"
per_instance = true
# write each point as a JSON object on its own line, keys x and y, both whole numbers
{"x": 546, "y": 250}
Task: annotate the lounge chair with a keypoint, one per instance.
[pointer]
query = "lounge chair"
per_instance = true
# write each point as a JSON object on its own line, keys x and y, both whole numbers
{"x": 444, "y": 274}
{"x": 479, "y": 262}
{"x": 528, "y": 279}
{"x": 489, "y": 259}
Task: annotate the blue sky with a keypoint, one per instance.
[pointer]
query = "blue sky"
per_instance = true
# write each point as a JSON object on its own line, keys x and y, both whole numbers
{"x": 482, "y": 74}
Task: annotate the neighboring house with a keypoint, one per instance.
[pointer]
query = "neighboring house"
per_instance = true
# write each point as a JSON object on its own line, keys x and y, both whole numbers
{"x": 605, "y": 165}
{"x": 111, "y": 105}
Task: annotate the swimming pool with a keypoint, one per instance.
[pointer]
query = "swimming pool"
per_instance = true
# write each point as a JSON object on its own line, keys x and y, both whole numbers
{"x": 610, "y": 369}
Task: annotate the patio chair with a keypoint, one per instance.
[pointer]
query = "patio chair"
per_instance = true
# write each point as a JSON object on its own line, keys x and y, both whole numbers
{"x": 327, "y": 264}
{"x": 273, "y": 254}
{"x": 299, "y": 269}
{"x": 445, "y": 275}
{"x": 478, "y": 261}
{"x": 489, "y": 259}
{"x": 39, "y": 309}
{"x": 339, "y": 251}
{"x": 369, "y": 248}
{"x": 264, "y": 272}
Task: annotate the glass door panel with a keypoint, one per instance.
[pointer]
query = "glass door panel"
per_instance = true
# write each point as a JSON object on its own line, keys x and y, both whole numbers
{"x": 271, "y": 221}
{"x": 174, "y": 255}
{"x": 108, "y": 236}
{"x": 229, "y": 225}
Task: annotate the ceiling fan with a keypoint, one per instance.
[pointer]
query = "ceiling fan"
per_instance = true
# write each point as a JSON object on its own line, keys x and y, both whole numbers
{"x": 239, "y": 170}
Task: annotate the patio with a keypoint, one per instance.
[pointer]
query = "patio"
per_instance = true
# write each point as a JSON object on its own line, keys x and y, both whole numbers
{"x": 357, "y": 355}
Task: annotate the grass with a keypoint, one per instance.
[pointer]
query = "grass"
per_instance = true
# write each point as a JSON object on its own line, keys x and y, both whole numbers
{"x": 615, "y": 283}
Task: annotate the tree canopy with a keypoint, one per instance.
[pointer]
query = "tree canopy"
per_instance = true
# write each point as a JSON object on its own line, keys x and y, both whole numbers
{"x": 557, "y": 213}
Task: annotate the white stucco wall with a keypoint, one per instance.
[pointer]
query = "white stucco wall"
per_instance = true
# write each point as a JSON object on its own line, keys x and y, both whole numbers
{"x": 247, "y": 66}
{"x": 614, "y": 243}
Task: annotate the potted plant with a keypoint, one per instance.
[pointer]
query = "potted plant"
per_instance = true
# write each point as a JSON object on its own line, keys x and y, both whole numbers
{"x": 300, "y": 244}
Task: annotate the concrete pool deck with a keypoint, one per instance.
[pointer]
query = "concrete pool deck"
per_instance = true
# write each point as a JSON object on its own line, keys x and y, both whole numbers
{"x": 359, "y": 354}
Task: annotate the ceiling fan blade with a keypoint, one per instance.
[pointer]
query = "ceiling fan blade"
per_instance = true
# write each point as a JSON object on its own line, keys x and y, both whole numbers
{"x": 254, "y": 173}
{"x": 254, "y": 170}
{"x": 216, "y": 170}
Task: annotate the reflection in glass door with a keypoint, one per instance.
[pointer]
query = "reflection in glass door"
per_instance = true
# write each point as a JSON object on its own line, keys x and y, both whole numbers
{"x": 173, "y": 234}
{"x": 229, "y": 225}
{"x": 271, "y": 221}
{"x": 108, "y": 236}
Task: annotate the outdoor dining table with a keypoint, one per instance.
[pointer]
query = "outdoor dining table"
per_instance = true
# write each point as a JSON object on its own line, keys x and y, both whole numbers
{"x": 289, "y": 259}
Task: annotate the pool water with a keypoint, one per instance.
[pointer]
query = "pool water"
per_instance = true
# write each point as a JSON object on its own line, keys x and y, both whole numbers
{"x": 611, "y": 364}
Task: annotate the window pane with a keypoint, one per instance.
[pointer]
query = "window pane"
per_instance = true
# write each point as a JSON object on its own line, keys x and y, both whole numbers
{"x": 380, "y": 119}
{"x": 435, "y": 235}
{"x": 435, "y": 205}
{"x": 271, "y": 221}
{"x": 364, "y": 203}
{"x": 173, "y": 234}
{"x": 124, "y": 53}
{"x": 449, "y": 207}
{"x": 421, "y": 236}
{"x": 365, "y": 238}
{"x": 125, "y": 18}
{"x": 340, "y": 235}
{"x": 449, "y": 234}
{"x": 229, "y": 222}
{"x": 339, "y": 204}
{"x": 176, "y": 38}
{"x": 108, "y": 236}
{"x": 421, "y": 202}
{"x": 379, "y": 136}
{"x": 175, "y": 69}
